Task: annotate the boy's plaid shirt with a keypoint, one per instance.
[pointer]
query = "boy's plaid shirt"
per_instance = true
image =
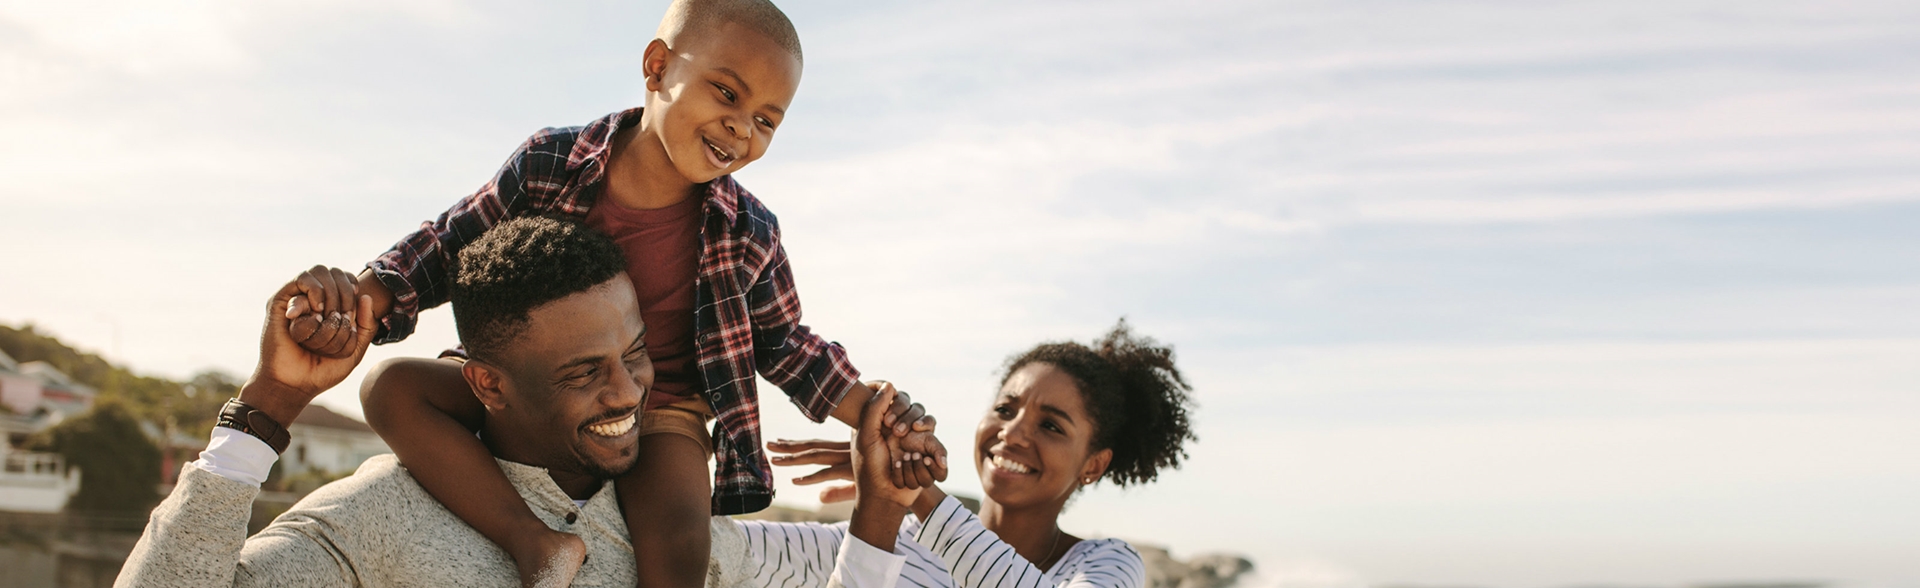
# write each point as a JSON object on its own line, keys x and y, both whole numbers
{"x": 746, "y": 318}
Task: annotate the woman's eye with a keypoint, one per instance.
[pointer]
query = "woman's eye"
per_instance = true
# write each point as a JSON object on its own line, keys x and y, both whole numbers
{"x": 1004, "y": 411}
{"x": 1051, "y": 427}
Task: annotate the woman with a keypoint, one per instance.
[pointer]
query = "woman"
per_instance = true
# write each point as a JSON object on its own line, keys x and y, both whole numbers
{"x": 1067, "y": 416}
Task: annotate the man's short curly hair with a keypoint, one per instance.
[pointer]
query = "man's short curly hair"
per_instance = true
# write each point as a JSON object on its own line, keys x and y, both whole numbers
{"x": 1138, "y": 400}
{"x": 519, "y": 265}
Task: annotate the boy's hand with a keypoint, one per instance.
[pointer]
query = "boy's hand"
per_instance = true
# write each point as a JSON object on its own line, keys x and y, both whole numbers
{"x": 919, "y": 461}
{"x": 904, "y": 412}
{"x": 322, "y": 313}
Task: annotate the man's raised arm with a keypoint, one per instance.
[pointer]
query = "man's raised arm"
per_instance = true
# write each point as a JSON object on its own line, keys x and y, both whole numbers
{"x": 197, "y": 535}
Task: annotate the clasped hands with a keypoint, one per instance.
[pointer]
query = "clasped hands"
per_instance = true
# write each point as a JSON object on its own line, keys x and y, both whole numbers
{"x": 886, "y": 468}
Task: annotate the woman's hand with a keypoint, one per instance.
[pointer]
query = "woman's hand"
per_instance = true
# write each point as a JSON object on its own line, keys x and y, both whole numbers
{"x": 875, "y": 455}
{"x": 837, "y": 456}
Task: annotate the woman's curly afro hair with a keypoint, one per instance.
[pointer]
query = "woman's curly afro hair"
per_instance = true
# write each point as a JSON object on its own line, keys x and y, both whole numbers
{"x": 1138, "y": 400}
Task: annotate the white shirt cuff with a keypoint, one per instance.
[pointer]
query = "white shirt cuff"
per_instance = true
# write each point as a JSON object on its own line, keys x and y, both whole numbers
{"x": 861, "y": 565}
{"x": 237, "y": 456}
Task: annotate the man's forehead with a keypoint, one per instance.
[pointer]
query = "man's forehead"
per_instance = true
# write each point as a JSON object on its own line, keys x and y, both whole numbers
{"x": 603, "y": 318}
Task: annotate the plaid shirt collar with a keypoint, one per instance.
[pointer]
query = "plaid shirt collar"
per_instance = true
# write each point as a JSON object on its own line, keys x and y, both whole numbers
{"x": 588, "y": 163}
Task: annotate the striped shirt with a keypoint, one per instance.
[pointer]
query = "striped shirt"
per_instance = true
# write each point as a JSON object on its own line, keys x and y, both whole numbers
{"x": 952, "y": 550}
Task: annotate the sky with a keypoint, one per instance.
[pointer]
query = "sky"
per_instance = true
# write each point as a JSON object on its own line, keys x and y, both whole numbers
{"x": 1471, "y": 293}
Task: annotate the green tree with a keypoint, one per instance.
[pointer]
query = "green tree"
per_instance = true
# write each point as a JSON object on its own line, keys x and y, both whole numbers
{"x": 119, "y": 466}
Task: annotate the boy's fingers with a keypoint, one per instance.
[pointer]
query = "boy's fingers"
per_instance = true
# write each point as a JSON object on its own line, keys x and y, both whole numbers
{"x": 902, "y": 403}
{"x": 313, "y": 290}
{"x": 349, "y": 291}
{"x": 912, "y": 414}
{"x": 338, "y": 299}
{"x": 297, "y": 306}
{"x": 925, "y": 423}
{"x": 922, "y": 477}
{"x": 325, "y": 298}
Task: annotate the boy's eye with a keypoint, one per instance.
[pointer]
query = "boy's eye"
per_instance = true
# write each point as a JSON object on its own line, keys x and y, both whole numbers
{"x": 763, "y": 121}
{"x": 728, "y": 94}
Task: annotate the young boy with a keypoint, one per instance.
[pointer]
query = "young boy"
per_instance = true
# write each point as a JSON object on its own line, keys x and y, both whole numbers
{"x": 715, "y": 291}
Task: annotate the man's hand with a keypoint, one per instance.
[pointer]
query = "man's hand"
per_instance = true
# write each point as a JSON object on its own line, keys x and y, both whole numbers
{"x": 289, "y": 375}
{"x": 323, "y": 312}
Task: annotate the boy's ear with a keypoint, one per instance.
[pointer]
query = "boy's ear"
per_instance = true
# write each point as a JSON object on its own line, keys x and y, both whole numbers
{"x": 487, "y": 382}
{"x": 654, "y": 64}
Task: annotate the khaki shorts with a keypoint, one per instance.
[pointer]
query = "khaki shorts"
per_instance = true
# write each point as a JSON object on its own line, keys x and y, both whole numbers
{"x": 687, "y": 418}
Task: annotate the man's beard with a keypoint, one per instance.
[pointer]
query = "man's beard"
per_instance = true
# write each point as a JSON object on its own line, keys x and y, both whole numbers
{"x": 603, "y": 471}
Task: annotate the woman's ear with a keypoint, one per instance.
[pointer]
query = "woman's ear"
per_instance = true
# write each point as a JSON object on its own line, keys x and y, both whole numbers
{"x": 1096, "y": 466}
{"x": 653, "y": 64}
{"x": 486, "y": 382}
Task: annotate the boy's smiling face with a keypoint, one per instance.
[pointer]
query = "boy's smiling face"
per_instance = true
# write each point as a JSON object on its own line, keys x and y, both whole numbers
{"x": 715, "y": 101}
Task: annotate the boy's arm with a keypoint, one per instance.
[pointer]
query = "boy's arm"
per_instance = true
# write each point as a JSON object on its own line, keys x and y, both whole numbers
{"x": 425, "y": 411}
{"x": 417, "y": 272}
{"x": 813, "y": 372}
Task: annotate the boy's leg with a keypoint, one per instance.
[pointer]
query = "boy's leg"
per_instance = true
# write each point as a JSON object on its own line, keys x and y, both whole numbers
{"x": 667, "y": 500}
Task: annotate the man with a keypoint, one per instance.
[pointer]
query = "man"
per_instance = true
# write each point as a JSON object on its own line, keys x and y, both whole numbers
{"x": 548, "y": 313}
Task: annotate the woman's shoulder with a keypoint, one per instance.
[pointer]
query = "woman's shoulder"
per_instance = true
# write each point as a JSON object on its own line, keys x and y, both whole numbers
{"x": 1114, "y": 560}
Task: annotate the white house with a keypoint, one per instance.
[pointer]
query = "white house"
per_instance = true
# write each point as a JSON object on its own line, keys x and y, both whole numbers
{"x": 35, "y": 482}
{"x": 36, "y": 396}
{"x": 327, "y": 441}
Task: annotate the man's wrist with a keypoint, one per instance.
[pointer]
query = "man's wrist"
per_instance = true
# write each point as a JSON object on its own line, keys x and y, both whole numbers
{"x": 277, "y": 401}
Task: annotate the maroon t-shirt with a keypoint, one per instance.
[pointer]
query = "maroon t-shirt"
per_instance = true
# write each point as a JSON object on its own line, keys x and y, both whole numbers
{"x": 662, "y": 246}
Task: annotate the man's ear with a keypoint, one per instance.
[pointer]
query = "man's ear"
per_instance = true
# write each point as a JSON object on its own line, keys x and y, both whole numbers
{"x": 653, "y": 64}
{"x": 1096, "y": 466}
{"x": 487, "y": 382}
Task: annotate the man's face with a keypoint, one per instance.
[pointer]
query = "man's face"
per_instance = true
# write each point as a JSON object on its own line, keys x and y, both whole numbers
{"x": 722, "y": 94}
{"x": 575, "y": 382}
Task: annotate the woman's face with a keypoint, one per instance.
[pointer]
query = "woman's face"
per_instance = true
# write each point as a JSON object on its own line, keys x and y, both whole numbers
{"x": 1034, "y": 445}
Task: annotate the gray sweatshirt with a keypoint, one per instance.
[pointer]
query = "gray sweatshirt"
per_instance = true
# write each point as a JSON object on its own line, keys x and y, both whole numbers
{"x": 378, "y": 527}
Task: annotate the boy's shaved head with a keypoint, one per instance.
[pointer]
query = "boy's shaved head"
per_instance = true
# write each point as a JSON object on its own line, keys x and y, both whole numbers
{"x": 698, "y": 17}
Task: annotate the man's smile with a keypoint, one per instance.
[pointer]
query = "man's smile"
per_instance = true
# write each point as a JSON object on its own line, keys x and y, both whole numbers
{"x": 614, "y": 428}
